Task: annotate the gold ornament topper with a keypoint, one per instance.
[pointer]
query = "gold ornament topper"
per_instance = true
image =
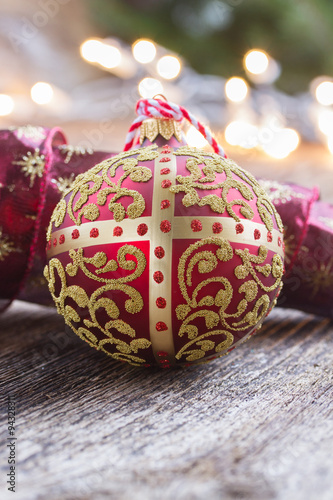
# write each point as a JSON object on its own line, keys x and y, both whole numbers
{"x": 150, "y": 129}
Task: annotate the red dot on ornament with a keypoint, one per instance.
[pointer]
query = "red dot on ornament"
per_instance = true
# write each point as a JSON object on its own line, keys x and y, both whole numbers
{"x": 269, "y": 237}
{"x": 279, "y": 241}
{"x": 196, "y": 225}
{"x": 142, "y": 229}
{"x": 55, "y": 242}
{"x": 165, "y": 184}
{"x": 239, "y": 228}
{"x": 162, "y": 354}
{"x": 94, "y": 233}
{"x": 165, "y": 366}
{"x": 165, "y": 226}
{"x": 49, "y": 244}
{"x": 217, "y": 228}
{"x": 61, "y": 239}
{"x": 165, "y": 171}
{"x": 164, "y": 361}
{"x": 159, "y": 252}
{"x": 158, "y": 276}
{"x": 165, "y": 159}
{"x": 257, "y": 234}
{"x": 117, "y": 231}
{"x": 161, "y": 302}
{"x": 75, "y": 234}
{"x": 165, "y": 204}
{"x": 161, "y": 326}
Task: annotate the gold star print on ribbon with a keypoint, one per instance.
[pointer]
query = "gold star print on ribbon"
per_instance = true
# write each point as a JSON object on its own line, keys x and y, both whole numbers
{"x": 322, "y": 279}
{"x": 32, "y": 165}
{"x": 279, "y": 192}
{"x": 64, "y": 183}
{"x": 69, "y": 151}
{"x": 6, "y": 246}
{"x": 29, "y": 132}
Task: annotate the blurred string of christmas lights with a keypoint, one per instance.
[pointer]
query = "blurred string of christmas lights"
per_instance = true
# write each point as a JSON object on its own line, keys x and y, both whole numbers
{"x": 252, "y": 114}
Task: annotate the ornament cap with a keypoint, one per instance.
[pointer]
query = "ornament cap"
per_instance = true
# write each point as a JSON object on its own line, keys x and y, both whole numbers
{"x": 152, "y": 128}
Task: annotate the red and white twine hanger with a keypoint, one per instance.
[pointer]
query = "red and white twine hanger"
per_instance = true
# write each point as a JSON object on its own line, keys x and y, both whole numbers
{"x": 158, "y": 108}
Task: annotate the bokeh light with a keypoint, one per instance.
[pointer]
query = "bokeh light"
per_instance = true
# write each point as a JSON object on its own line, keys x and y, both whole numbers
{"x": 256, "y": 61}
{"x": 90, "y": 49}
{"x": 324, "y": 93}
{"x": 195, "y": 138}
{"x": 169, "y": 67}
{"x": 241, "y": 133}
{"x": 109, "y": 56}
{"x": 6, "y": 104}
{"x": 96, "y": 51}
{"x": 149, "y": 87}
{"x": 41, "y": 93}
{"x": 144, "y": 51}
{"x": 325, "y": 121}
{"x": 282, "y": 143}
{"x": 236, "y": 89}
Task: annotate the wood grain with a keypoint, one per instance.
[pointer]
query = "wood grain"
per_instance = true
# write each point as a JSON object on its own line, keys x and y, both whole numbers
{"x": 256, "y": 424}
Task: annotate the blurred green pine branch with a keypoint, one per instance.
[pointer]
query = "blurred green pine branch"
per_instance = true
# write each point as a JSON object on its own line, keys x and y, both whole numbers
{"x": 213, "y": 35}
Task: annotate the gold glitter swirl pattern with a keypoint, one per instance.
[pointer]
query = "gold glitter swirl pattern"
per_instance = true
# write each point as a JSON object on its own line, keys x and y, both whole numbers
{"x": 203, "y": 168}
{"x": 213, "y": 309}
{"x": 100, "y": 179}
{"x": 57, "y": 217}
{"x": 70, "y": 298}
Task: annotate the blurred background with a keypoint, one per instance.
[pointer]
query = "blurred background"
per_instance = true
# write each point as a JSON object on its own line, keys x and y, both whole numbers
{"x": 259, "y": 73}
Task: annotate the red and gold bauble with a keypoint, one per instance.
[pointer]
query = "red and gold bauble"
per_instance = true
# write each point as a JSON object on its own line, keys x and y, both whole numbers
{"x": 165, "y": 254}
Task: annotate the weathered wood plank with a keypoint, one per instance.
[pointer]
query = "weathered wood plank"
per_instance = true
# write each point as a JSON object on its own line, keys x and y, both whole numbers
{"x": 256, "y": 424}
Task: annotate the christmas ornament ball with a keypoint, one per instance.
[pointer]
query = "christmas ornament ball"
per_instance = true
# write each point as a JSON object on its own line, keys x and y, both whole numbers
{"x": 164, "y": 254}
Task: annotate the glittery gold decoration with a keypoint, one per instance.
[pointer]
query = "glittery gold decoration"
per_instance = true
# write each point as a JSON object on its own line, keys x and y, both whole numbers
{"x": 99, "y": 179}
{"x": 218, "y": 322}
{"x": 57, "y": 217}
{"x": 202, "y": 346}
{"x": 64, "y": 184}
{"x": 150, "y": 129}
{"x": 29, "y": 132}
{"x": 279, "y": 192}
{"x": 205, "y": 261}
{"x": 69, "y": 151}
{"x": 55, "y": 273}
{"x": 203, "y": 168}
{"x": 6, "y": 246}
{"x": 32, "y": 165}
{"x": 246, "y": 268}
{"x": 319, "y": 277}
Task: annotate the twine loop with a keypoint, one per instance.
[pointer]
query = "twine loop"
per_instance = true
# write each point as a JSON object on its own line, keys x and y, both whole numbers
{"x": 161, "y": 109}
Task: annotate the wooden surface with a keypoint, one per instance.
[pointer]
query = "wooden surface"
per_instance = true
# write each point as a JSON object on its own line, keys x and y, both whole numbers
{"x": 256, "y": 424}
